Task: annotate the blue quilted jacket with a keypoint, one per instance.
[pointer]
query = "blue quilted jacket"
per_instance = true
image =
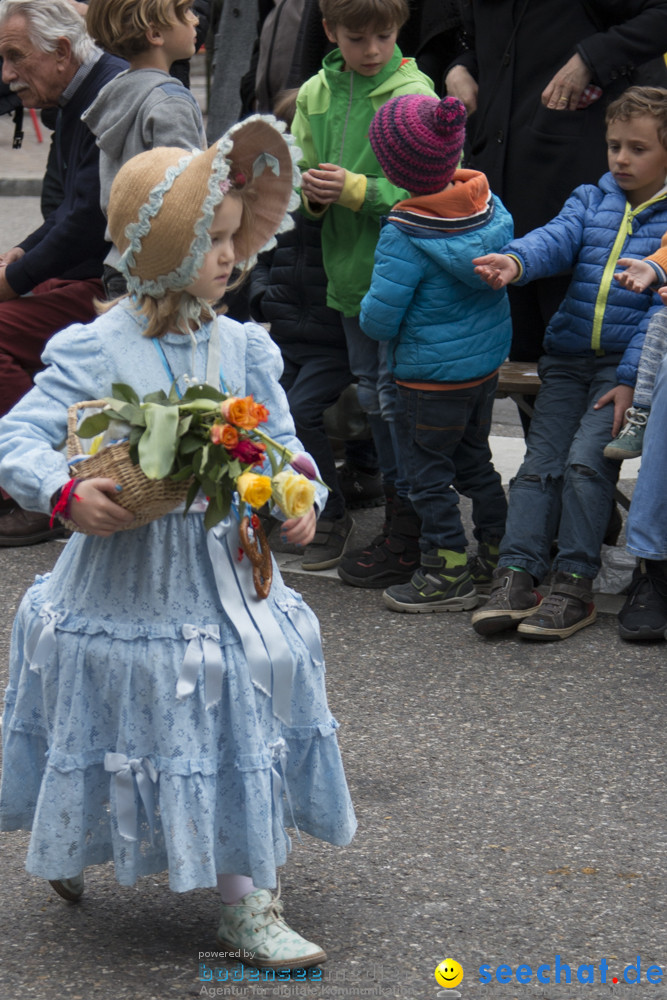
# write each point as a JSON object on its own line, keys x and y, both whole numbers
{"x": 594, "y": 228}
{"x": 443, "y": 323}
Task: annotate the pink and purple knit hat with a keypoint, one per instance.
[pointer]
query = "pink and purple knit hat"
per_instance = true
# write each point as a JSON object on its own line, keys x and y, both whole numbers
{"x": 418, "y": 141}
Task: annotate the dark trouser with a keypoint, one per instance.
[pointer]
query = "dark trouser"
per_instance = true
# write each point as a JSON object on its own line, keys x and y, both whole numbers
{"x": 28, "y": 322}
{"x": 444, "y": 440}
{"x": 313, "y": 382}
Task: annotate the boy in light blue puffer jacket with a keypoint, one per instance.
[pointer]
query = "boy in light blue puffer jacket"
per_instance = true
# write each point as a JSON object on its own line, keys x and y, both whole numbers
{"x": 565, "y": 486}
{"x": 447, "y": 334}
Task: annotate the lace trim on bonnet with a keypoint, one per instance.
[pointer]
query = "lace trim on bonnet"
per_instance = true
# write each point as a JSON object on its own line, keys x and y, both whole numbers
{"x": 192, "y": 308}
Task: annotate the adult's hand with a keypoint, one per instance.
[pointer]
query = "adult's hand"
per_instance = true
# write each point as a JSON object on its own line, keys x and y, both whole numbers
{"x": 460, "y": 83}
{"x": 6, "y": 290}
{"x": 9, "y": 256}
{"x": 564, "y": 91}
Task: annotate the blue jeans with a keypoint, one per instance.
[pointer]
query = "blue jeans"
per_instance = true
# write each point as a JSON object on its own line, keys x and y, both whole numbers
{"x": 376, "y": 391}
{"x": 444, "y": 441}
{"x": 313, "y": 382}
{"x": 646, "y": 526}
{"x": 565, "y": 486}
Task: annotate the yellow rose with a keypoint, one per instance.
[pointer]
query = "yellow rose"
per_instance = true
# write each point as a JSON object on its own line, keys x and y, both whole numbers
{"x": 253, "y": 489}
{"x": 293, "y": 494}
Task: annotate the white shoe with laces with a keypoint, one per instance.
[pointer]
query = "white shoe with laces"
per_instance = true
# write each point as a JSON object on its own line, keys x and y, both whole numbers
{"x": 254, "y": 931}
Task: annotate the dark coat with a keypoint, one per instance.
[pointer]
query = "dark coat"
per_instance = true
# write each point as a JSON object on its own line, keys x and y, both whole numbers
{"x": 288, "y": 289}
{"x": 70, "y": 243}
{"x": 534, "y": 157}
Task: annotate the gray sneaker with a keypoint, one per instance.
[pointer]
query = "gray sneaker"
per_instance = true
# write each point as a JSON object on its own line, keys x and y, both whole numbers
{"x": 568, "y": 607}
{"x": 328, "y": 545}
{"x": 513, "y": 596}
{"x": 629, "y": 442}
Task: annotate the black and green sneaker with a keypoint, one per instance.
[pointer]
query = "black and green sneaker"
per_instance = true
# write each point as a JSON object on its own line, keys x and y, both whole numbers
{"x": 482, "y": 565}
{"x": 436, "y": 586}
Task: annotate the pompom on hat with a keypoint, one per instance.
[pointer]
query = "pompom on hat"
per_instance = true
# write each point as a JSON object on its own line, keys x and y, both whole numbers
{"x": 418, "y": 141}
{"x": 162, "y": 202}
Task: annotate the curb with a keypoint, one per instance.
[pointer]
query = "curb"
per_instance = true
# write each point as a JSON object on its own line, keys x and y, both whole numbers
{"x": 15, "y": 187}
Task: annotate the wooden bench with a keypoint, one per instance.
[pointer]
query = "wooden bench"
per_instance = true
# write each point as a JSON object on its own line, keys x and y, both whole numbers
{"x": 519, "y": 380}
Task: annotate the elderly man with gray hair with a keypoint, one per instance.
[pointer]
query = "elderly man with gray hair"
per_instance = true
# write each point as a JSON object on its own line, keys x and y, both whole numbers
{"x": 51, "y": 277}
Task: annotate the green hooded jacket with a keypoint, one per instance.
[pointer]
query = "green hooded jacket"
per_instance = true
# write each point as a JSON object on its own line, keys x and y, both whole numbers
{"x": 334, "y": 111}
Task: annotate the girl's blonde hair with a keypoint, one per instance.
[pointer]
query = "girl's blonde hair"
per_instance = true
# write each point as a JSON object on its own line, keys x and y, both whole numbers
{"x": 120, "y": 26}
{"x": 170, "y": 312}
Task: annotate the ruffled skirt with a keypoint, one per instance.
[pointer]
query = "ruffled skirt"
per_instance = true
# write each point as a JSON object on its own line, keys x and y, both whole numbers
{"x": 138, "y": 725}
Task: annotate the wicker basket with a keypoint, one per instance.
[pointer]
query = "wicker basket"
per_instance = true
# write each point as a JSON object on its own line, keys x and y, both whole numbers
{"x": 148, "y": 499}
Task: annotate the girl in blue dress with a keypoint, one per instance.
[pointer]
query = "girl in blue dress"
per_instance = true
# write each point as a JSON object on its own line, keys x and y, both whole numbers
{"x": 158, "y": 713}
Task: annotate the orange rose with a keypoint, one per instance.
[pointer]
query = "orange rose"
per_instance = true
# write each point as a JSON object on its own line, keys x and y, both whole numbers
{"x": 229, "y": 437}
{"x": 240, "y": 412}
{"x": 260, "y": 412}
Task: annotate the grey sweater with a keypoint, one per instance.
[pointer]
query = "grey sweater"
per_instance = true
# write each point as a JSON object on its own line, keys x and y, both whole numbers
{"x": 138, "y": 110}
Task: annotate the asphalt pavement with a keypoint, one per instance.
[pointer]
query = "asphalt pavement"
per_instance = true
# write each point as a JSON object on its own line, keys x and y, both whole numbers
{"x": 510, "y": 797}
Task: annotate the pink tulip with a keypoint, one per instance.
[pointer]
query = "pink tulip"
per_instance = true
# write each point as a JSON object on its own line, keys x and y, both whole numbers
{"x": 303, "y": 465}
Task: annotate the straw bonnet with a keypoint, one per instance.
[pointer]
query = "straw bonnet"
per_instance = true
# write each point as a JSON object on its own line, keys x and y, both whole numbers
{"x": 162, "y": 202}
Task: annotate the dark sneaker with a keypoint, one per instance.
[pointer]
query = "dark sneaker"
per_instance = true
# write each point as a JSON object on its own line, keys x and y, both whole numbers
{"x": 360, "y": 488}
{"x": 513, "y": 596}
{"x": 644, "y": 615}
{"x": 329, "y": 543}
{"x": 352, "y": 555}
{"x": 482, "y": 566}
{"x": 629, "y": 442}
{"x": 434, "y": 587}
{"x": 394, "y": 559}
{"x": 25, "y": 527}
{"x": 567, "y": 608}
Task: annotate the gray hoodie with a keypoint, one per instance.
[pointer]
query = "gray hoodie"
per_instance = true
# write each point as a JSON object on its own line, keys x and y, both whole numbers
{"x": 136, "y": 111}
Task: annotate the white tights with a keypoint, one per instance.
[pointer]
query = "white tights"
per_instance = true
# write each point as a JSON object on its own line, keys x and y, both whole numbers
{"x": 232, "y": 888}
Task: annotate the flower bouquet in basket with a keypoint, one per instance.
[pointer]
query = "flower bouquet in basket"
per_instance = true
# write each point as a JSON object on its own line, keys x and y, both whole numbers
{"x": 164, "y": 450}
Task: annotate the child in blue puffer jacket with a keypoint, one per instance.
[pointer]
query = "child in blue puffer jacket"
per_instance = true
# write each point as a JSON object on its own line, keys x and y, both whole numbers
{"x": 447, "y": 334}
{"x": 565, "y": 486}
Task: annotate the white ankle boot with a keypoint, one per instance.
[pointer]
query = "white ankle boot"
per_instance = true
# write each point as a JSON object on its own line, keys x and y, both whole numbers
{"x": 254, "y": 932}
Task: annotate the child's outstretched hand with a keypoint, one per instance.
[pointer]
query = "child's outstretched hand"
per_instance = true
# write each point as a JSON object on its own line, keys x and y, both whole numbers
{"x": 299, "y": 530}
{"x": 638, "y": 275}
{"x": 323, "y": 186}
{"x": 94, "y": 511}
{"x": 621, "y": 397}
{"x": 496, "y": 269}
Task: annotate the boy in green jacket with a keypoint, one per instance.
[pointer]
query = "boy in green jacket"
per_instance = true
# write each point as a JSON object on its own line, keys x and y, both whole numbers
{"x": 343, "y": 185}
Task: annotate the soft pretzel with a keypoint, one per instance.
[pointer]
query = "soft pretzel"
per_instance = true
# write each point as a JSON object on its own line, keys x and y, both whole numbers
{"x": 258, "y": 552}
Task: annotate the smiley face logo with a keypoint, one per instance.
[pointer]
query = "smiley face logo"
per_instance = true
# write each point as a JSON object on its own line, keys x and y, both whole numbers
{"x": 449, "y": 973}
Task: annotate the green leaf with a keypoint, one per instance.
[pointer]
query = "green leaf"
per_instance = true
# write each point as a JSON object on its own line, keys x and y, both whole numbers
{"x": 125, "y": 393}
{"x": 189, "y": 444}
{"x": 96, "y": 424}
{"x": 195, "y": 392}
{"x": 184, "y": 425}
{"x": 157, "y": 447}
{"x": 192, "y": 493}
{"x": 157, "y": 397}
{"x": 131, "y": 414}
{"x": 183, "y": 473}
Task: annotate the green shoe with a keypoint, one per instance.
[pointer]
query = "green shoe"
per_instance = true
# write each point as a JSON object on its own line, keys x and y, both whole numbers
{"x": 434, "y": 587}
{"x": 629, "y": 442}
{"x": 70, "y": 889}
{"x": 254, "y": 931}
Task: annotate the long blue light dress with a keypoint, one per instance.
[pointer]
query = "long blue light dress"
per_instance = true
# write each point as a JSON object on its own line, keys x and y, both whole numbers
{"x": 157, "y": 712}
